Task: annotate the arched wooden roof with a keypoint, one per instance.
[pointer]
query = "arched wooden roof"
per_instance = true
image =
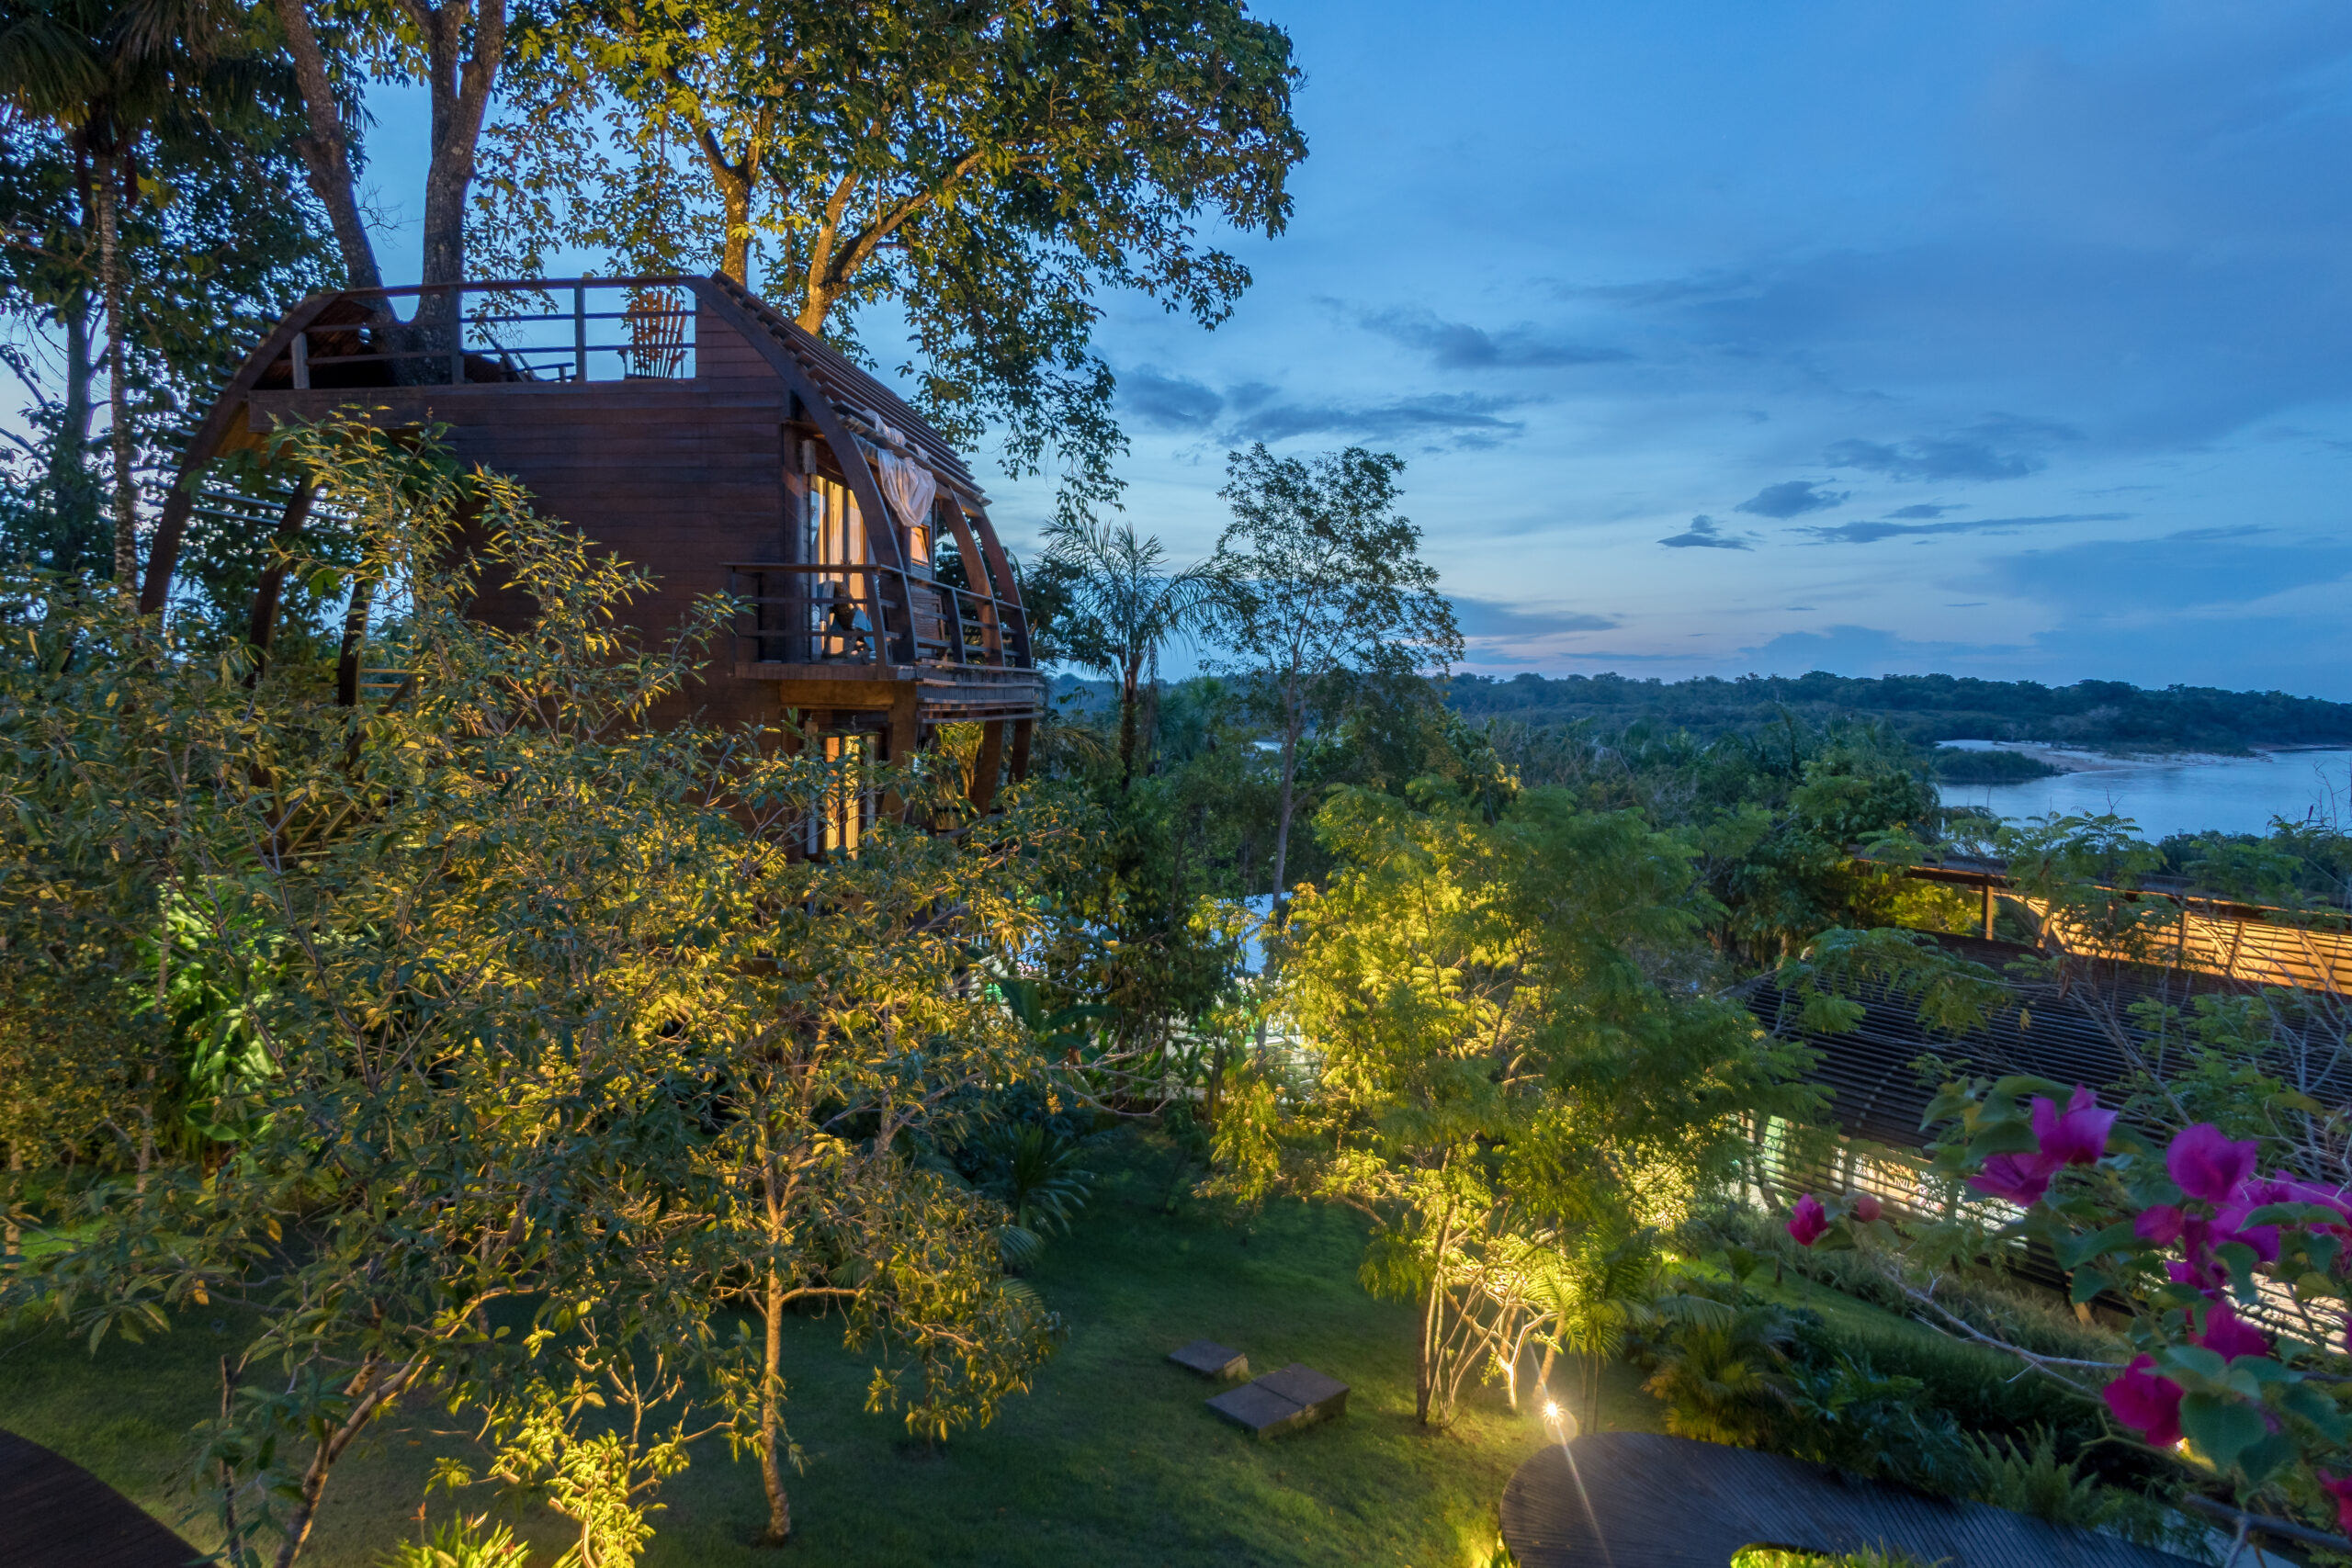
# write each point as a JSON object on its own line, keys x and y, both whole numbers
{"x": 684, "y": 470}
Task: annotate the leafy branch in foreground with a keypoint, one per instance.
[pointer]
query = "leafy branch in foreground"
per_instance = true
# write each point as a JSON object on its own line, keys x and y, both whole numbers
{"x": 547, "y": 1029}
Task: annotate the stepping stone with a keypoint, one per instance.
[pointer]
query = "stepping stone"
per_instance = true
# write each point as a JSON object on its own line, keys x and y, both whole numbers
{"x": 1211, "y": 1360}
{"x": 1296, "y": 1396}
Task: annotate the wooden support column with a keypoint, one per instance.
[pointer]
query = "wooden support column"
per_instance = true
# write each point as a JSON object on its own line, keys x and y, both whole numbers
{"x": 990, "y": 766}
{"x": 904, "y": 738}
{"x": 1020, "y": 731}
{"x": 1988, "y": 911}
{"x": 264, "y": 625}
{"x": 354, "y": 632}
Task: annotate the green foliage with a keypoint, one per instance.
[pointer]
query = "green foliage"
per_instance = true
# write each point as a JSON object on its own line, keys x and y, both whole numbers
{"x": 1511, "y": 1053}
{"x": 2029, "y": 1478}
{"x": 1955, "y": 765}
{"x": 1924, "y": 708}
{"x": 527, "y": 1027}
{"x": 1034, "y": 1173}
{"x": 1323, "y": 598}
{"x": 982, "y": 173}
{"x": 460, "y": 1543}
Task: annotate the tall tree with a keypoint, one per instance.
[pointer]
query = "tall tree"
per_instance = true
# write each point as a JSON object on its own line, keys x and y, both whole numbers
{"x": 1513, "y": 1057}
{"x": 456, "y": 48}
{"x": 985, "y": 169}
{"x": 1124, "y": 605}
{"x": 208, "y": 242}
{"x": 487, "y": 1000}
{"x": 107, "y": 75}
{"x": 1324, "y": 589}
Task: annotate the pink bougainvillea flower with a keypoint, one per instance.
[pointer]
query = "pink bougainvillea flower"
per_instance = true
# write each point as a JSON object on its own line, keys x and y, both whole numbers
{"x": 1867, "y": 1209}
{"x": 2022, "y": 1178}
{"x": 2146, "y": 1403}
{"x": 2229, "y": 1225}
{"x": 2230, "y": 1336}
{"x": 2159, "y": 1226}
{"x": 2206, "y": 1165}
{"x": 1808, "y": 1220}
{"x": 2283, "y": 1190}
{"x": 2207, "y": 1277}
{"x": 2076, "y": 1135}
{"x": 2339, "y": 1491}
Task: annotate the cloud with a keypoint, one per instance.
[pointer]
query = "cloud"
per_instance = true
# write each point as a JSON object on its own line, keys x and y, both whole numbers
{"x": 1860, "y": 650}
{"x": 1254, "y": 411}
{"x": 1169, "y": 402}
{"x": 2199, "y": 567}
{"x": 1457, "y": 345}
{"x": 1705, "y": 533}
{"x": 1470, "y": 419}
{"x": 1791, "y": 498}
{"x": 1493, "y": 618}
{"x": 1999, "y": 447}
{"x": 1924, "y": 509}
{"x": 1871, "y": 532}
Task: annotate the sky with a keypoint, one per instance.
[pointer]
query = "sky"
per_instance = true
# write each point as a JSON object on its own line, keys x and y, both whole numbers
{"x": 2010, "y": 340}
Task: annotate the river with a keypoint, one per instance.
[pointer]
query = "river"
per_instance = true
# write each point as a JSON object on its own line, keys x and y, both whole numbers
{"x": 2176, "y": 795}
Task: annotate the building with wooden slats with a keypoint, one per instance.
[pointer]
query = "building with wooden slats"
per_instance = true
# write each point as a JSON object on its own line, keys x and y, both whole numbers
{"x": 698, "y": 435}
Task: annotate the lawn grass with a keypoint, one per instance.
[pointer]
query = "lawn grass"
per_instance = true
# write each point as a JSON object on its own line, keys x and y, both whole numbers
{"x": 1110, "y": 1460}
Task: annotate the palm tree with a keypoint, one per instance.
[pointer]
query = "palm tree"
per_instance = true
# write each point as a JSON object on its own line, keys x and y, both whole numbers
{"x": 108, "y": 74}
{"x": 1123, "y": 606}
{"x": 1720, "y": 1382}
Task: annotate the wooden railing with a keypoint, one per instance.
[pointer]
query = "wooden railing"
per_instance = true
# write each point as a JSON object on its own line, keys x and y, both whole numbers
{"x": 444, "y": 343}
{"x": 819, "y": 613}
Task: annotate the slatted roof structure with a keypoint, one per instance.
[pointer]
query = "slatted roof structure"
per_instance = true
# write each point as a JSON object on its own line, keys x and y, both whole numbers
{"x": 2256, "y": 944}
{"x": 54, "y": 1513}
{"x": 2072, "y": 1036}
{"x": 699, "y": 434}
{"x": 1640, "y": 1500}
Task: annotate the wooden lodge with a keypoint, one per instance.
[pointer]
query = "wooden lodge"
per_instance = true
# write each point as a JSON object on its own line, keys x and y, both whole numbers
{"x": 704, "y": 437}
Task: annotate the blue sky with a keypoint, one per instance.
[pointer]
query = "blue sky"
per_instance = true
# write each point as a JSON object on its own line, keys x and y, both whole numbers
{"x": 2001, "y": 339}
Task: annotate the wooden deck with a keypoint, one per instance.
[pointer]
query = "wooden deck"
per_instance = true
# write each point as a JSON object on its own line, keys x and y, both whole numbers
{"x": 54, "y": 1513}
{"x": 1658, "y": 1502}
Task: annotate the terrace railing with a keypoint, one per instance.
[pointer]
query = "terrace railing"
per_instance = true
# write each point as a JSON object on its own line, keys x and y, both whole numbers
{"x": 576, "y": 330}
{"x": 812, "y": 612}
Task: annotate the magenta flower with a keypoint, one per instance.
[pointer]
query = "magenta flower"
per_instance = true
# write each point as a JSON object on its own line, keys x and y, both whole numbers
{"x": 1866, "y": 1209}
{"x": 2264, "y": 1239}
{"x": 2146, "y": 1403}
{"x": 2229, "y": 1337}
{"x": 2076, "y": 1135}
{"x": 2206, "y": 1165}
{"x": 2159, "y": 1226}
{"x": 2339, "y": 1490}
{"x": 1808, "y": 1220}
{"x": 2021, "y": 1179}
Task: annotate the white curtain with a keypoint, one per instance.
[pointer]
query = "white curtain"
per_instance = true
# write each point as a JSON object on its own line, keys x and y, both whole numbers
{"x": 909, "y": 488}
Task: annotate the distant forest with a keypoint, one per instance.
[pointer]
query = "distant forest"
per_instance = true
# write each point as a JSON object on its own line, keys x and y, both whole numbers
{"x": 1924, "y": 709}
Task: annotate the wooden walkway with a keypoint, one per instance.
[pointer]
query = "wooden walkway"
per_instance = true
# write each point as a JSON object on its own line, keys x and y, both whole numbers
{"x": 54, "y": 1513}
{"x": 1672, "y": 1502}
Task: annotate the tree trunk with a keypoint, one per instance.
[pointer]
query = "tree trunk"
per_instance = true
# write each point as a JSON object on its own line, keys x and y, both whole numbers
{"x": 461, "y": 95}
{"x": 1424, "y": 1371}
{"x": 126, "y": 493}
{"x": 326, "y": 151}
{"x": 1281, "y": 825}
{"x": 71, "y": 501}
{"x": 779, "y": 1528}
{"x": 370, "y": 1395}
{"x": 12, "y": 1239}
{"x": 1129, "y": 703}
{"x": 734, "y": 183}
